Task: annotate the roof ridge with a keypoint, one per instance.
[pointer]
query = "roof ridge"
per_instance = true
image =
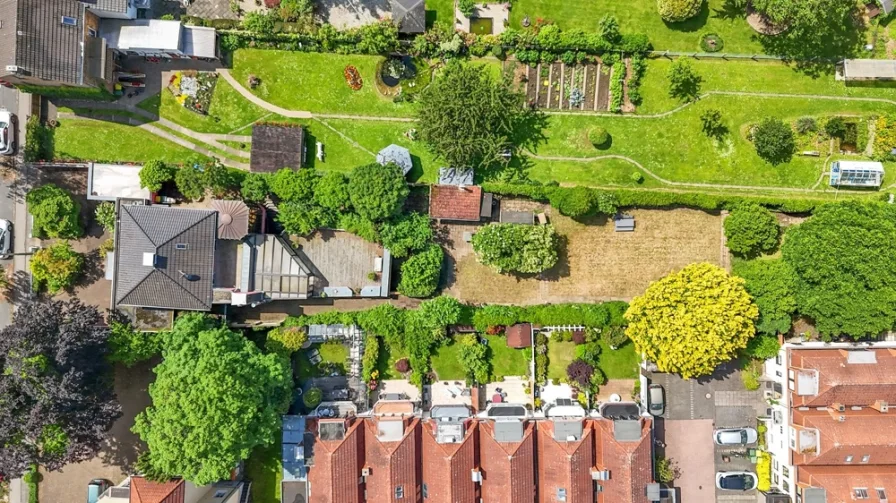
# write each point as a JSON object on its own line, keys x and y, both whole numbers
{"x": 194, "y": 224}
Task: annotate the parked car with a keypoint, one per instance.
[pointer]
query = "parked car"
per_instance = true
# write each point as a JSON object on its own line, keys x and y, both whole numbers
{"x": 735, "y": 436}
{"x": 96, "y": 488}
{"x": 7, "y": 133}
{"x": 736, "y": 481}
{"x": 5, "y": 239}
{"x": 656, "y": 400}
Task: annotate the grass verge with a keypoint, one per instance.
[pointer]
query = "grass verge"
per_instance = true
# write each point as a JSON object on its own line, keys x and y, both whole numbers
{"x": 265, "y": 469}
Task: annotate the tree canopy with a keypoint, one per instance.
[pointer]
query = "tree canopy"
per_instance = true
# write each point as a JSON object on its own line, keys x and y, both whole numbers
{"x": 56, "y": 214}
{"x": 420, "y": 272}
{"x": 676, "y": 11}
{"x": 406, "y": 234}
{"x": 473, "y": 358}
{"x": 808, "y": 35}
{"x": 692, "y": 320}
{"x": 332, "y": 192}
{"x": 294, "y": 185}
{"x": 684, "y": 82}
{"x": 751, "y": 229}
{"x": 57, "y": 267}
{"x": 517, "y": 248}
{"x": 468, "y": 117}
{"x": 154, "y": 174}
{"x": 377, "y": 192}
{"x": 845, "y": 264}
{"x": 774, "y": 141}
{"x": 215, "y": 398}
{"x": 58, "y": 401}
{"x": 254, "y": 188}
{"x": 772, "y": 283}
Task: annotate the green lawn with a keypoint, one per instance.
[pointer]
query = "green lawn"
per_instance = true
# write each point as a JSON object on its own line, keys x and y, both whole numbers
{"x": 228, "y": 112}
{"x": 507, "y": 361}
{"x": 750, "y": 76}
{"x": 441, "y": 11}
{"x": 331, "y": 353}
{"x": 446, "y": 364}
{"x": 265, "y": 470}
{"x": 621, "y": 363}
{"x": 560, "y": 355}
{"x": 315, "y": 82}
{"x": 641, "y": 16}
{"x": 386, "y": 361}
{"x": 674, "y": 148}
{"x": 89, "y": 140}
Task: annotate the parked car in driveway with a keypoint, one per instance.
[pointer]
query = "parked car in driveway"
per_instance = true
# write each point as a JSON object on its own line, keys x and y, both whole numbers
{"x": 7, "y": 133}
{"x": 5, "y": 239}
{"x": 96, "y": 488}
{"x": 735, "y": 436}
{"x": 656, "y": 400}
{"x": 736, "y": 481}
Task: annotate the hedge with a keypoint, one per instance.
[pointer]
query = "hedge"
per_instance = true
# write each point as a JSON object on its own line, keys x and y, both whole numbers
{"x": 664, "y": 199}
{"x": 589, "y": 315}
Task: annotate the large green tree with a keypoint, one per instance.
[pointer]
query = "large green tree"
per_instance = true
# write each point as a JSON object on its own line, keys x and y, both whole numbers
{"x": 406, "y": 234}
{"x": 525, "y": 249}
{"x": 56, "y": 214}
{"x": 420, "y": 272}
{"x": 473, "y": 358}
{"x": 772, "y": 284}
{"x": 469, "y": 118}
{"x": 56, "y": 267}
{"x": 216, "y": 396}
{"x": 813, "y": 29}
{"x": 692, "y": 320}
{"x": 377, "y": 192}
{"x": 845, "y": 264}
{"x": 751, "y": 229}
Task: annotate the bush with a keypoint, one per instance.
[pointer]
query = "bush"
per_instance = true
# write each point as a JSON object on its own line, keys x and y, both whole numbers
{"x": 774, "y": 141}
{"x": 420, "y": 273}
{"x": 38, "y": 141}
{"x": 835, "y": 127}
{"x": 332, "y": 193}
{"x": 312, "y": 398}
{"x": 190, "y": 182}
{"x": 154, "y": 174}
{"x": 762, "y": 347}
{"x": 578, "y": 337}
{"x": 254, "y": 188}
{"x": 294, "y": 185}
{"x": 56, "y": 214}
{"x": 377, "y": 192}
{"x": 105, "y": 216}
{"x": 751, "y": 229}
{"x": 764, "y": 472}
{"x": 676, "y": 11}
{"x": 598, "y": 136}
{"x": 466, "y": 7}
{"x": 637, "y": 177}
{"x": 617, "y": 84}
{"x": 750, "y": 377}
{"x": 371, "y": 357}
{"x": 684, "y": 82}
{"x": 665, "y": 472}
{"x": 403, "y": 366}
{"x": 614, "y": 337}
{"x": 580, "y": 372}
{"x": 129, "y": 346}
{"x": 517, "y": 248}
{"x": 260, "y": 22}
{"x": 406, "y": 234}
{"x": 286, "y": 340}
{"x": 56, "y": 267}
{"x": 711, "y": 42}
{"x": 301, "y": 219}
{"x": 806, "y": 125}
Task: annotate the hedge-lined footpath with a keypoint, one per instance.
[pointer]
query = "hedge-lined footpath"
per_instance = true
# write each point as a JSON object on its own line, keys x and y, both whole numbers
{"x": 664, "y": 199}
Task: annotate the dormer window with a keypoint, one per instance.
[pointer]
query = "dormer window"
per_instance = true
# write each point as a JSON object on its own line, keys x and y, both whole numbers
{"x": 399, "y": 492}
{"x": 860, "y": 493}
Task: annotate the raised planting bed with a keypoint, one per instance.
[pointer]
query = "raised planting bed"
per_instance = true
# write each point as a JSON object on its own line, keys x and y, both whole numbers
{"x": 591, "y": 71}
{"x": 544, "y": 85}
{"x": 556, "y": 87}
{"x": 603, "y": 89}
{"x": 532, "y": 85}
{"x": 565, "y": 85}
{"x": 193, "y": 90}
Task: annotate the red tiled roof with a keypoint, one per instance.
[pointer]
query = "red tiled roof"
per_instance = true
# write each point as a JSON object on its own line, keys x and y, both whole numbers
{"x": 565, "y": 465}
{"x": 508, "y": 468}
{"x": 519, "y": 335}
{"x": 846, "y": 383}
{"x": 145, "y": 491}
{"x": 337, "y": 466}
{"x": 839, "y": 481}
{"x": 447, "y": 468}
{"x": 862, "y": 433}
{"x": 450, "y": 202}
{"x": 630, "y": 463}
{"x": 393, "y": 464}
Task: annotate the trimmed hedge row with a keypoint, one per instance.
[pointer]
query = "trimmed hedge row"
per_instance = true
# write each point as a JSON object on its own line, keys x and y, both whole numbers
{"x": 663, "y": 199}
{"x": 590, "y": 315}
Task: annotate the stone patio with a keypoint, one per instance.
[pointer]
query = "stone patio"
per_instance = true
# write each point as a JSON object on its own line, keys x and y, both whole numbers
{"x": 344, "y": 14}
{"x": 499, "y": 13}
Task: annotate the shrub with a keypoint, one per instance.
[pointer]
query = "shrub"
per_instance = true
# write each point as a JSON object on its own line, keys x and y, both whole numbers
{"x": 260, "y": 22}
{"x": 764, "y": 471}
{"x": 637, "y": 177}
{"x": 56, "y": 214}
{"x": 614, "y": 337}
{"x": 517, "y": 248}
{"x": 129, "y": 346}
{"x": 332, "y": 192}
{"x": 254, "y": 188}
{"x": 38, "y": 141}
{"x": 154, "y": 174}
{"x": 772, "y": 284}
{"x": 377, "y": 192}
{"x": 371, "y": 357}
{"x": 578, "y": 337}
{"x": 294, "y": 185}
{"x": 105, "y": 216}
{"x": 774, "y": 141}
{"x": 712, "y": 125}
{"x": 420, "y": 273}
{"x": 56, "y": 267}
{"x": 835, "y": 127}
{"x": 406, "y": 234}
{"x": 301, "y": 219}
{"x": 617, "y": 82}
{"x": 711, "y": 42}
{"x": 806, "y": 125}
{"x": 665, "y": 472}
{"x": 403, "y": 365}
{"x": 762, "y": 347}
{"x": 466, "y": 7}
{"x": 312, "y": 398}
{"x": 190, "y": 182}
{"x": 598, "y": 136}
{"x": 751, "y": 229}
{"x": 286, "y": 340}
{"x": 676, "y": 11}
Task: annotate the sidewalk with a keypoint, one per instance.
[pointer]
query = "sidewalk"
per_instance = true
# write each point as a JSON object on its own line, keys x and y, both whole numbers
{"x": 18, "y": 491}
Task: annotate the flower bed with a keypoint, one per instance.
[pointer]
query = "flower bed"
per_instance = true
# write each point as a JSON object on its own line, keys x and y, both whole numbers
{"x": 353, "y": 78}
{"x": 193, "y": 90}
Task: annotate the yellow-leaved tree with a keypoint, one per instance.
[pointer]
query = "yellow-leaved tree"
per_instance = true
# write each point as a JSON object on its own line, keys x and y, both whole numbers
{"x": 692, "y": 320}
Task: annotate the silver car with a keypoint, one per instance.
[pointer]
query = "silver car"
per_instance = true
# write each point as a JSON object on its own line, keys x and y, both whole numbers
{"x": 5, "y": 239}
{"x": 7, "y": 133}
{"x": 735, "y": 436}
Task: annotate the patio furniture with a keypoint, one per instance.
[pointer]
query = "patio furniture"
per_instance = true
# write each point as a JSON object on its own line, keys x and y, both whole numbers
{"x": 315, "y": 359}
{"x": 497, "y": 398}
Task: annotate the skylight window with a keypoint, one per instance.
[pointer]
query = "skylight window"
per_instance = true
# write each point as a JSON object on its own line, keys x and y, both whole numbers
{"x": 69, "y": 21}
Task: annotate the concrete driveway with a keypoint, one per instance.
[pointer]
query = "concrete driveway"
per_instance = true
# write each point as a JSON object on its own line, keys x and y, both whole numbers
{"x": 117, "y": 457}
{"x": 692, "y": 456}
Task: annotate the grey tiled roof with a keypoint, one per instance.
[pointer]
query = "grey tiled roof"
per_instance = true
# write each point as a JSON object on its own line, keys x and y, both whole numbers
{"x": 181, "y": 278}
{"x": 410, "y": 15}
{"x": 111, "y": 5}
{"x": 44, "y": 46}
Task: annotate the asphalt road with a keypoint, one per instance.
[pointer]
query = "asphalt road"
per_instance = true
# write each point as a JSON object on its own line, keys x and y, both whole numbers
{"x": 9, "y": 100}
